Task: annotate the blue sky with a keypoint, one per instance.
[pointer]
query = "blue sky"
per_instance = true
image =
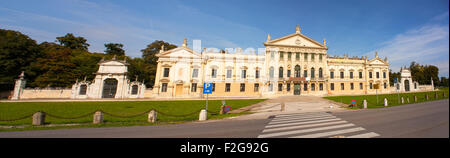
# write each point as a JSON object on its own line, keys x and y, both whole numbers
{"x": 402, "y": 30}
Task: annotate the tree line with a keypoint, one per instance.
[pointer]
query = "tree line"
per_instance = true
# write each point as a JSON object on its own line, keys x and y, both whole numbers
{"x": 422, "y": 74}
{"x": 61, "y": 63}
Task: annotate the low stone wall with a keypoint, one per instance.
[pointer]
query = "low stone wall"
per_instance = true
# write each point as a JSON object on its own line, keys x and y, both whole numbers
{"x": 425, "y": 88}
{"x": 45, "y": 93}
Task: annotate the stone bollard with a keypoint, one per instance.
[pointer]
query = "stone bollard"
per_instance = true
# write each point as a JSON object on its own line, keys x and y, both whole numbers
{"x": 402, "y": 101}
{"x": 426, "y": 96}
{"x": 39, "y": 118}
{"x": 415, "y": 98}
{"x": 385, "y": 102}
{"x": 443, "y": 94}
{"x": 407, "y": 99}
{"x": 152, "y": 116}
{"x": 98, "y": 117}
{"x": 365, "y": 104}
{"x": 203, "y": 115}
{"x": 283, "y": 107}
{"x": 435, "y": 95}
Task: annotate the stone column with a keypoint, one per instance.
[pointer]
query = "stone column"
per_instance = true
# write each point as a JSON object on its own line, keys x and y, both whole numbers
{"x": 18, "y": 87}
{"x": 98, "y": 117}
{"x": 152, "y": 116}
{"x": 385, "y": 102}
{"x": 365, "y": 104}
{"x": 39, "y": 118}
{"x": 203, "y": 115}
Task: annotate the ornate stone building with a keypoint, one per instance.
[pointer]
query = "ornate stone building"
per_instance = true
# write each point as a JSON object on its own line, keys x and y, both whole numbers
{"x": 291, "y": 65}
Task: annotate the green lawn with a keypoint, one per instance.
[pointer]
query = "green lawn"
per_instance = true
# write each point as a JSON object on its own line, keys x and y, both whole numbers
{"x": 12, "y": 110}
{"x": 392, "y": 98}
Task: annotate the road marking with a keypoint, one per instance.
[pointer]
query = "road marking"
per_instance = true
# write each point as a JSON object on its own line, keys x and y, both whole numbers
{"x": 304, "y": 115}
{"x": 304, "y": 131}
{"x": 303, "y": 126}
{"x": 301, "y": 120}
{"x": 317, "y": 135}
{"x": 365, "y": 135}
{"x": 301, "y": 123}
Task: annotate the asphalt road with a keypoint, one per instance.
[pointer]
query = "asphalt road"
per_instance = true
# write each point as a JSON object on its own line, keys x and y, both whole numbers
{"x": 422, "y": 120}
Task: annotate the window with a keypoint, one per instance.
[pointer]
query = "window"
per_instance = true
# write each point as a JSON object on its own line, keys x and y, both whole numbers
{"x": 214, "y": 87}
{"x": 313, "y": 87}
{"x": 280, "y": 72}
{"x": 257, "y": 74}
{"x": 370, "y": 85}
{"x": 361, "y": 86}
{"x": 305, "y": 87}
{"x": 288, "y": 87}
{"x": 288, "y": 73}
{"x": 166, "y": 72}
{"x": 270, "y": 87}
{"x": 384, "y": 74}
{"x": 271, "y": 72}
{"x": 312, "y": 73}
{"x": 342, "y": 86}
{"x": 320, "y": 57}
{"x": 134, "y": 89}
{"x": 256, "y": 88}
{"x": 229, "y": 73}
{"x": 351, "y": 86}
{"x": 83, "y": 89}
{"x": 306, "y": 57}
{"x": 332, "y": 86}
{"x": 194, "y": 87}
{"x": 331, "y": 74}
{"x": 214, "y": 73}
{"x": 227, "y": 87}
{"x": 164, "y": 87}
{"x": 305, "y": 73}
{"x": 242, "y": 89}
{"x": 289, "y": 55}
{"x": 378, "y": 74}
{"x": 321, "y": 86}
{"x": 342, "y": 74}
{"x": 195, "y": 73}
{"x": 244, "y": 74}
{"x": 370, "y": 74}
{"x": 360, "y": 74}
{"x": 351, "y": 75}
{"x": 320, "y": 73}
{"x": 385, "y": 86}
{"x": 280, "y": 87}
{"x": 297, "y": 71}
{"x": 312, "y": 57}
{"x": 281, "y": 55}
{"x": 297, "y": 56}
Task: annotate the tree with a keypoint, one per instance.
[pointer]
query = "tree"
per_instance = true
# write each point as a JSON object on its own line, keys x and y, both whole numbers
{"x": 114, "y": 49}
{"x": 423, "y": 74}
{"x": 72, "y": 42}
{"x": 17, "y": 52}
{"x": 393, "y": 75}
{"x": 140, "y": 69}
{"x": 149, "y": 57}
{"x": 444, "y": 82}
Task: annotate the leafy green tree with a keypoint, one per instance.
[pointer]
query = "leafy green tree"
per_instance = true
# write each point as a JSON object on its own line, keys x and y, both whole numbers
{"x": 149, "y": 57}
{"x": 114, "y": 49}
{"x": 444, "y": 82}
{"x": 393, "y": 75}
{"x": 72, "y": 42}
{"x": 140, "y": 69}
{"x": 17, "y": 52}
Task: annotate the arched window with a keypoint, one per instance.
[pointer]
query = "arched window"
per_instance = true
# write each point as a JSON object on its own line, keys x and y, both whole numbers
{"x": 297, "y": 71}
{"x": 83, "y": 89}
{"x": 312, "y": 72}
{"x": 280, "y": 72}
{"x": 134, "y": 89}
{"x": 271, "y": 72}
{"x": 320, "y": 73}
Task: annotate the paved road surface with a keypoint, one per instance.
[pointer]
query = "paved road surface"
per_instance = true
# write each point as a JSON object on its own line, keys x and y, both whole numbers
{"x": 428, "y": 119}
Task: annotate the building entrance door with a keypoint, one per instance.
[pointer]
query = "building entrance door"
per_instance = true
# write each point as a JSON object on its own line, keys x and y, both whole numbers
{"x": 406, "y": 85}
{"x": 179, "y": 90}
{"x": 109, "y": 88}
{"x": 297, "y": 89}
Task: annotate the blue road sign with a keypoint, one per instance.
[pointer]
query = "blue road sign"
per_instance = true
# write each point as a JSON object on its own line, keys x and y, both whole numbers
{"x": 207, "y": 88}
{"x": 395, "y": 79}
{"x": 227, "y": 109}
{"x": 353, "y": 102}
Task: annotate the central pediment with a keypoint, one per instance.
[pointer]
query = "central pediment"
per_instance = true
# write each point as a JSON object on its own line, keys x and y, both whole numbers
{"x": 295, "y": 40}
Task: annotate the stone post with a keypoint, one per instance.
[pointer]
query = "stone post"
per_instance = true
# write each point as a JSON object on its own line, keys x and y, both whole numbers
{"x": 403, "y": 101}
{"x": 365, "y": 104}
{"x": 407, "y": 99}
{"x": 385, "y": 102}
{"x": 435, "y": 95}
{"x": 415, "y": 98}
{"x": 203, "y": 115}
{"x": 152, "y": 116}
{"x": 426, "y": 96}
{"x": 39, "y": 118}
{"x": 283, "y": 107}
{"x": 98, "y": 117}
